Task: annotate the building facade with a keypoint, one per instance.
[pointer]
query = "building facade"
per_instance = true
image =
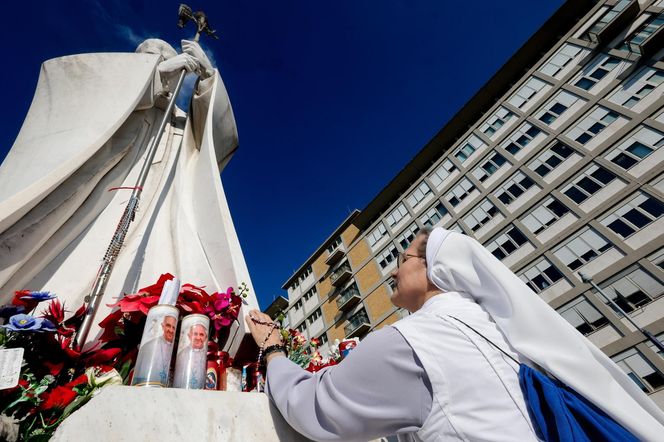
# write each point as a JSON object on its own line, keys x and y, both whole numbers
{"x": 555, "y": 166}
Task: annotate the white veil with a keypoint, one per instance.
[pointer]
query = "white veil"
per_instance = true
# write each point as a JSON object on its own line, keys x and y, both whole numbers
{"x": 458, "y": 263}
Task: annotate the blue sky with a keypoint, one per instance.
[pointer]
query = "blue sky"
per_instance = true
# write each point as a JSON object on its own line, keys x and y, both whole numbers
{"x": 331, "y": 99}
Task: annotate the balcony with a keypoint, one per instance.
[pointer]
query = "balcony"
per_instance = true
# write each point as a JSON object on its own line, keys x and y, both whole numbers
{"x": 335, "y": 255}
{"x": 648, "y": 40}
{"x": 341, "y": 274}
{"x": 348, "y": 298}
{"x": 613, "y": 21}
{"x": 357, "y": 325}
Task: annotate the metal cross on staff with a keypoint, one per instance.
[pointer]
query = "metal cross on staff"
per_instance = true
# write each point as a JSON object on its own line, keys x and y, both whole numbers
{"x": 93, "y": 300}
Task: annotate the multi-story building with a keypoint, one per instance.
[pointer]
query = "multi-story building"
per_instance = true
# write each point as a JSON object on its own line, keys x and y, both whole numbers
{"x": 555, "y": 166}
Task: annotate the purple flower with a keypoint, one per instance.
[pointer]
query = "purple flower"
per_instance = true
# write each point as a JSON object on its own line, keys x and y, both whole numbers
{"x": 23, "y": 323}
{"x": 39, "y": 296}
{"x": 7, "y": 311}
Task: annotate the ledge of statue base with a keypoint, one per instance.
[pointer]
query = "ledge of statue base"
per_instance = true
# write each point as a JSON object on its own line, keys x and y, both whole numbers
{"x": 170, "y": 414}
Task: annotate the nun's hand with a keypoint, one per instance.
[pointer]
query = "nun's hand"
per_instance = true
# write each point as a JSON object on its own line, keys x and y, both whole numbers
{"x": 261, "y": 329}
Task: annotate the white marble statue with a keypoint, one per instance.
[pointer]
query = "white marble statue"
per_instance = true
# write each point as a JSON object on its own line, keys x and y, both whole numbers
{"x": 85, "y": 135}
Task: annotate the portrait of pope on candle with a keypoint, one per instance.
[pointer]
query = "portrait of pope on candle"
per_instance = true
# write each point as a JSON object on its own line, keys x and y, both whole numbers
{"x": 191, "y": 360}
{"x": 154, "y": 356}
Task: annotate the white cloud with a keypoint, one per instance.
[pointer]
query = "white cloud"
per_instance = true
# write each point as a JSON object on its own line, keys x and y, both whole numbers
{"x": 126, "y": 33}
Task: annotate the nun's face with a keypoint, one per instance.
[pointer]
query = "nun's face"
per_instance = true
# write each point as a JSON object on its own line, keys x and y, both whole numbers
{"x": 411, "y": 278}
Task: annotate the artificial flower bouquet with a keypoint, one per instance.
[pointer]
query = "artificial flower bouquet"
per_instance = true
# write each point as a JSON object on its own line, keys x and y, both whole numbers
{"x": 55, "y": 379}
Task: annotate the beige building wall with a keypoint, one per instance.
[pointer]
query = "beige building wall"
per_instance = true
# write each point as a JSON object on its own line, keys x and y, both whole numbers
{"x": 577, "y": 116}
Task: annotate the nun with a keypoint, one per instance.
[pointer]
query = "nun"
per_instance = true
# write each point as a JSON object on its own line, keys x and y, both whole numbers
{"x": 451, "y": 369}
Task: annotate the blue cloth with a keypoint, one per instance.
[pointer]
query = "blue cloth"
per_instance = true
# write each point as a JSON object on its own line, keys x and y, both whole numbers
{"x": 559, "y": 413}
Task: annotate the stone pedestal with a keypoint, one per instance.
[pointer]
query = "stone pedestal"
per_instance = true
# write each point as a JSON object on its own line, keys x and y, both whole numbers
{"x": 154, "y": 414}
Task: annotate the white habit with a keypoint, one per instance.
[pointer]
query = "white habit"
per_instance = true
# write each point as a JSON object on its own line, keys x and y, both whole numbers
{"x": 470, "y": 392}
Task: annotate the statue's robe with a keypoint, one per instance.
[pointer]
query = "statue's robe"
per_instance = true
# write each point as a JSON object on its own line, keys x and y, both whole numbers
{"x": 87, "y": 132}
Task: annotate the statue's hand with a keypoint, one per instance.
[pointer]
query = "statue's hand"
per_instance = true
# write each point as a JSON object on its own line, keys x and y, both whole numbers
{"x": 194, "y": 49}
{"x": 177, "y": 63}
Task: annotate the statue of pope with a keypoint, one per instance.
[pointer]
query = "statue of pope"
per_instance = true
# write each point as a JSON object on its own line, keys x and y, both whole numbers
{"x": 63, "y": 185}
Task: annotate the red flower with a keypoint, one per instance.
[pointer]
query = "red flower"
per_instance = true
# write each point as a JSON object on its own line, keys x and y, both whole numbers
{"x": 55, "y": 312}
{"x": 82, "y": 379}
{"x": 59, "y": 397}
{"x": 28, "y": 303}
{"x": 98, "y": 357}
{"x": 145, "y": 298}
{"x": 193, "y": 299}
{"x": 313, "y": 368}
{"x": 54, "y": 368}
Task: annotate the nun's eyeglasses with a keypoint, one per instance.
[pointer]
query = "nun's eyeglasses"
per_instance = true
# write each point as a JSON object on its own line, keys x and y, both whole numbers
{"x": 403, "y": 257}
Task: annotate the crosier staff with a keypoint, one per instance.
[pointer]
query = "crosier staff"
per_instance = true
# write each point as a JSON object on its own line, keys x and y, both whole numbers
{"x": 93, "y": 300}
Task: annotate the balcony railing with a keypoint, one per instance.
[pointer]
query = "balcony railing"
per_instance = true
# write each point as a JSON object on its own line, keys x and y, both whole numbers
{"x": 341, "y": 274}
{"x": 335, "y": 255}
{"x": 357, "y": 325}
{"x": 348, "y": 298}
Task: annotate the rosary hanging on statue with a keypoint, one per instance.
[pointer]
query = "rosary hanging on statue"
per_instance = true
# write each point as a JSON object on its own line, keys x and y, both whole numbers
{"x": 93, "y": 300}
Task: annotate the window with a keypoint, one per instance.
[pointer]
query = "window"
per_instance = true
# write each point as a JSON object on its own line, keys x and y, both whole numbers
{"x": 637, "y": 213}
{"x": 636, "y": 147}
{"x": 651, "y": 345}
{"x": 468, "y": 147}
{"x": 640, "y": 86}
{"x": 592, "y": 124}
{"x": 649, "y": 27}
{"x": 442, "y": 172}
{"x": 588, "y": 183}
{"x": 315, "y": 315}
{"x": 419, "y": 194}
{"x": 377, "y": 234}
{"x": 481, "y": 215}
{"x": 560, "y": 59}
{"x": 433, "y": 215}
{"x": 506, "y": 243}
{"x": 499, "y": 118}
{"x": 582, "y": 248}
{"x": 302, "y": 327}
{"x": 531, "y": 87}
{"x": 460, "y": 192}
{"x": 308, "y": 271}
{"x": 557, "y": 106}
{"x": 336, "y": 243}
{"x": 310, "y": 293}
{"x": 521, "y": 138}
{"x": 387, "y": 256}
{"x": 513, "y": 188}
{"x": 322, "y": 339}
{"x": 550, "y": 158}
{"x": 399, "y": 213}
{"x": 489, "y": 166}
{"x": 545, "y": 214}
{"x": 582, "y": 315}
{"x": 407, "y": 236}
{"x": 596, "y": 71}
{"x": 632, "y": 289}
{"x": 357, "y": 319}
{"x": 657, "y": 258}
{"x": 605, "y": 19}
{"x": 540, "y": 275}
{"x": 639, "y": 370}
{"x": 456, "y": 228}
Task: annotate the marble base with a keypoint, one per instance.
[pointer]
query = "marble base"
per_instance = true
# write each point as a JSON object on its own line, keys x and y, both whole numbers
{"x": 120, "y": 413}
